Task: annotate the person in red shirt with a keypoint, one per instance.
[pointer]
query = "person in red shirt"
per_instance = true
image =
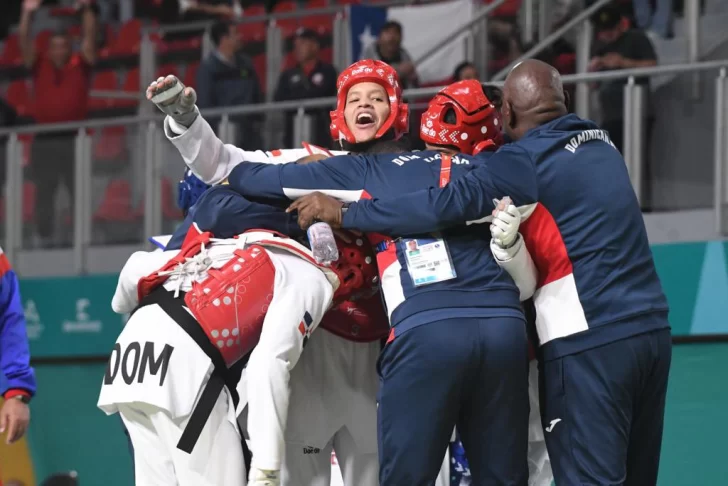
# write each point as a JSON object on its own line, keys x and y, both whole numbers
{"x": 61, "y": 82}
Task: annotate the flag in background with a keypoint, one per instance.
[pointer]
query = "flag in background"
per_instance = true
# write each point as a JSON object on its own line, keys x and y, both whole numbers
{"x": 423, "y": 27}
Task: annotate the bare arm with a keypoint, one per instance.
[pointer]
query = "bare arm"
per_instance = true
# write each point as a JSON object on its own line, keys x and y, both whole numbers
{"x": 27, "y": 45}
{"x": 89, "y": 26}
{"x": 194, "y": 6}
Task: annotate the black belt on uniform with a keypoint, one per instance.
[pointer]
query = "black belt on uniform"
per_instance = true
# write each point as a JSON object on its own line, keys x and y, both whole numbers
{"x": 221, "y": 375}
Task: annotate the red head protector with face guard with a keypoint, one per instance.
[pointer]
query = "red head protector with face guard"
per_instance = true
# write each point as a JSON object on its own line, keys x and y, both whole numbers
{"x": 354, "y": 275}
{"x": 475, "y": 125}
{"x": 357, "y": 271}
{"x": 370, "y": 71}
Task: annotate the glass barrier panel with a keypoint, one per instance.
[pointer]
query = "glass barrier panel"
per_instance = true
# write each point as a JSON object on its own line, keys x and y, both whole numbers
{"x": 677, "y": 139}
{"x": 48, "y": 163}
{"x": 117, "y": 185}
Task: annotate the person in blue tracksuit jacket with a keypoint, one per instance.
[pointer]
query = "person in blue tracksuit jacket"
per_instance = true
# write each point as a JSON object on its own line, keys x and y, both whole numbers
{"x": 601, "y": 312}
{"x": 457, "y": 353}
{"x": 14, "y": 356}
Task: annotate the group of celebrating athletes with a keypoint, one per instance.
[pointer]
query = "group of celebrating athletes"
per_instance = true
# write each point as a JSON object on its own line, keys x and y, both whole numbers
{"x": 222, "y": 377}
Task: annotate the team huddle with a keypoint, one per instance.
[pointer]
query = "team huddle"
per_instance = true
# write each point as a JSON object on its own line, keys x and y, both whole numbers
{"x": 252, "y": 362}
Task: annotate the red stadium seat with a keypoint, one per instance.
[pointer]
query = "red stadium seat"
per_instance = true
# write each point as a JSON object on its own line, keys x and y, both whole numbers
{"x": 29, "y": 195}
{"x": 19, "y": 97}
{"x": 259, "y": 63}
{"x": 166, "y": 70}
{"x": 116, "y": 205}
{"x": 190, "y": 44}
{"x": 321, "y": 23}
{"x": 565, "y": 63}
{"x": 169, "y": 208}
{"x": 170, "y": 211}
{"x": 254, "y": 11}
{"x": 106, "y": 81}
{"x": 11, "y": 52}
{"x": 285, "y": 6}
{"x": 190, "y": 78}
{"x": 288, "y": 26}
{"x": 128, "y": 40}
{"x": 253, "y": 31}
{"x": 131, "y": 85}
{"x": 109, "y": 41}
{"x": 313, "y": 4}
{"x": 111, "y": 144}
{"x": 509, "y": 8}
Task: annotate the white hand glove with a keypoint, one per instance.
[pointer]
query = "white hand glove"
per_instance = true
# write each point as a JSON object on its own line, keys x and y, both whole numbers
{"x": 174, "y": 99}
{"x": 504, "y": 228}
{"x": 261, "y": 477}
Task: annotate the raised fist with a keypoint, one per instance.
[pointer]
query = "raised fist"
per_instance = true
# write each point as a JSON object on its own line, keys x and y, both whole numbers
{"x": 31, "y": 5}
{"x": 174, "y": 99}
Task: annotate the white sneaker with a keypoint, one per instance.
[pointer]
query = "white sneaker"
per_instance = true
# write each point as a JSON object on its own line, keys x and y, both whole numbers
{"x": 264, "y": 477}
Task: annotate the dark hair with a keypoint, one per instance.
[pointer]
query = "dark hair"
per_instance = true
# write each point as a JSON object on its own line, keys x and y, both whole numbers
{"x": 607, "y": 17}
{"x": 218, "y": 31}
{"x": 459, "y": 69}
{"x": 308, "y": 34}
{"x": 450, "y": 117}
{"x": 392, "y": 25}
{"x": 494, "y": 94}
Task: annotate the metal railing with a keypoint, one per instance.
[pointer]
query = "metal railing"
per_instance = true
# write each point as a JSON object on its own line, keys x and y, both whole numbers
{"x": 478, "y": 27}
{"x": 582, "y": 18}
{"x": 476, "y": 30}
{"x": 152, "y": 143}
{"x": 584, "y": 42}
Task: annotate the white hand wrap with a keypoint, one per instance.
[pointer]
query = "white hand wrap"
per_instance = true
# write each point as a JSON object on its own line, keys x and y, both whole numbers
{"x": 504, "y": 228}
{"x": 177, "y": 103}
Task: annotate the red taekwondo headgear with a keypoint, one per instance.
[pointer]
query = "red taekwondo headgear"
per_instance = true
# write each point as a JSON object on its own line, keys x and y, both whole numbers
{"x": 477, "y": 122}
{"x": 370, "y": 71}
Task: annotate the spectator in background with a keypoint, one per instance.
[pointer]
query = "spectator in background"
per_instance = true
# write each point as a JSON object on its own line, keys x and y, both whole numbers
{"x": 504, "y": 35}
{"x": 657, "y": 22}
{"x": 388, "y": 48}
{"x": 562, "y": 12}
{"x": 618, "y": 46}
{"x": 465, "y": 70}
{"x": 309, "y": 78}
{"x": 61, "y": 81}
{"x": 227, "y": 78}
{"x": 14, "y": 357}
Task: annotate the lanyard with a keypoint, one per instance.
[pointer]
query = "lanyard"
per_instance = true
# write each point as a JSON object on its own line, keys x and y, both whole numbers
{"x": 445, "y": 166}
